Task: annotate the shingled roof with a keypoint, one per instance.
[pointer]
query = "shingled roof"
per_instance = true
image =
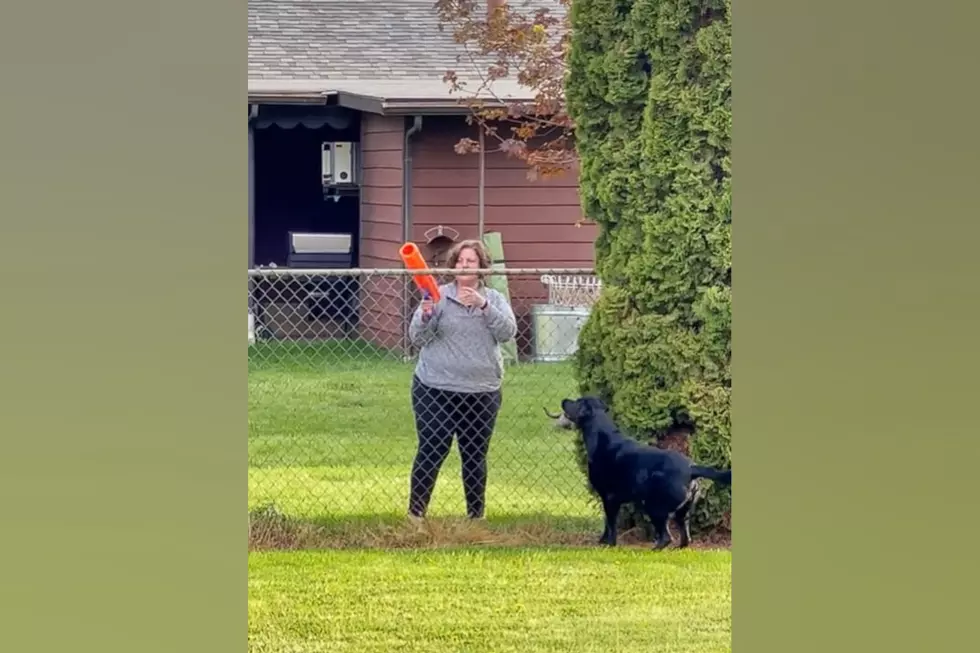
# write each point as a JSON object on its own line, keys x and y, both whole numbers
{"x": 381, "y": 49}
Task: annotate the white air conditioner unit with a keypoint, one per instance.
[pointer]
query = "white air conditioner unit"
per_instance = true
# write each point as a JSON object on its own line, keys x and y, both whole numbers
{"x": 338, "y": 163}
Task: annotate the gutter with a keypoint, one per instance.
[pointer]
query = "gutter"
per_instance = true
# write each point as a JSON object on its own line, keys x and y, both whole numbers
{"x": 415, "y": 106}
{"x": 435, "y": 107}
{"x": 377, "y": 104}
{"x": 286, "y": 97}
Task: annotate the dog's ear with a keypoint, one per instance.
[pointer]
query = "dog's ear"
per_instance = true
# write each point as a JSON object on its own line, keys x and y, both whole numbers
{"x": 576, "y": 409}
{"x": 570, "y": 408}
{"x": 583, "y": 409}
{"x": 595, "y": 404}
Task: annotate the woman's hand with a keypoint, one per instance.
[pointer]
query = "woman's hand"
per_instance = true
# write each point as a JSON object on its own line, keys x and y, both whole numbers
{"x": 471, "y": 297}
{"x": 427, "y": 306}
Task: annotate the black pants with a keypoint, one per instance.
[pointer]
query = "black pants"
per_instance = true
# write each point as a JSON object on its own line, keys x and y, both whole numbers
{"x": 440, "y": 414}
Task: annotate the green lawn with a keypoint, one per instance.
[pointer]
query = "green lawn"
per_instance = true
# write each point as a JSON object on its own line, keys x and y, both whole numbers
{"x": 331, "y": 440}
{"x": 490, "y": 601}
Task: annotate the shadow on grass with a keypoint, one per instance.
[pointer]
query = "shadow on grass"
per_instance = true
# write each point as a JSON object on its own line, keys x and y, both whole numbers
{"x": 269, "y": 529}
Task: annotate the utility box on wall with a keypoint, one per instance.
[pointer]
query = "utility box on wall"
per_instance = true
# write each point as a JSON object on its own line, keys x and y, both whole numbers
{"x": 338, "y": 164}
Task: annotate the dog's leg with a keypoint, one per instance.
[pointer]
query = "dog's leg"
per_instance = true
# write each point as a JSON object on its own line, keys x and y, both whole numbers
{"x": 610, "y": 507}
{"x": 661, "y": 534}
{"x": 682, "y": 519}
{"x": 682, "y": 516}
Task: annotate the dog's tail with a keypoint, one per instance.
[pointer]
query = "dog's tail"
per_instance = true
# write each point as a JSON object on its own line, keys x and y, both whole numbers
{"x": 717, "y": 475}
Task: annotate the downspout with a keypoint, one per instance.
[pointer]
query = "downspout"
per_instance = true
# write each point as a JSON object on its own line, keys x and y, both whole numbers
{"x": 407, "y": 223}
{"x": 407, "y": 179}
{"x": 481, "y": 188}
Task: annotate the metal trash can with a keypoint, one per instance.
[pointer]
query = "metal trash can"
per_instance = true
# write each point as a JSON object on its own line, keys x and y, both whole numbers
{"x": 555, "y": 326}
{"x": 554, "y": 331}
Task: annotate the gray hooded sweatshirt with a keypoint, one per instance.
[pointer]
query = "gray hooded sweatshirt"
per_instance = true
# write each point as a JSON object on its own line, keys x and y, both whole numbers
{"x": 461, "y": 346}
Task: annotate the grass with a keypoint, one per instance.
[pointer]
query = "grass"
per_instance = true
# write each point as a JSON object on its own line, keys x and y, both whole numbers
{"x": 490, "y": 601}
{"x": 331, "y": 439}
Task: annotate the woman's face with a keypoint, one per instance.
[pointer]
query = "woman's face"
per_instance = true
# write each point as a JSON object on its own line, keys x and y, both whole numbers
{"x": 468, "y": 260}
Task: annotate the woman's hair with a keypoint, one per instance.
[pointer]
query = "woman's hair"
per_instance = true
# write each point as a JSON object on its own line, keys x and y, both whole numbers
{"x": 478, "y": 247}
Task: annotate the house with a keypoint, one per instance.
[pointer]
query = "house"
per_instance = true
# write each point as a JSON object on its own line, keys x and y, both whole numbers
{"x": 370, "y": 72}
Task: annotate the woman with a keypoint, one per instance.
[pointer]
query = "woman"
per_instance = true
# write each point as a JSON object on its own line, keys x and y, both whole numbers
{"x": 456, "y": 387}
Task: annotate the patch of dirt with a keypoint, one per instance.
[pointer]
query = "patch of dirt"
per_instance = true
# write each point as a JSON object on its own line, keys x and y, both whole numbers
{"x": 677, "y": 438}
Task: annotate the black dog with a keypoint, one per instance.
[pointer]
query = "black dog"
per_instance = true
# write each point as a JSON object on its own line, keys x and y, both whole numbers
{"x": 622, "y": 470}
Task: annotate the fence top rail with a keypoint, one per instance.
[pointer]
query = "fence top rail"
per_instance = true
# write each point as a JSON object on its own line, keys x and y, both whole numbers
{"x": 348, "y": 272}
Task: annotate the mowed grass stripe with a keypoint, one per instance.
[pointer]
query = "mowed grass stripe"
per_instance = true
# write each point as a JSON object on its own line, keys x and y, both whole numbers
{"x": 490, "y": 600}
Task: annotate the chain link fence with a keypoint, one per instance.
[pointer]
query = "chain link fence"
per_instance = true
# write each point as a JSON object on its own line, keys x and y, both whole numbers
{"x": 344, "y": 426}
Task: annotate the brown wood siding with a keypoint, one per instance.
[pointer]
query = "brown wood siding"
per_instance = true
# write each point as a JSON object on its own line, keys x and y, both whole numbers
{"x": 382, "y": 154}
{"x": 536, "y": 219}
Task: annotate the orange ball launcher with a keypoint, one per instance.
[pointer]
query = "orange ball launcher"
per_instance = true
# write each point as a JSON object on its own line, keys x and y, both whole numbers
{"x": 413, "y": 260}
